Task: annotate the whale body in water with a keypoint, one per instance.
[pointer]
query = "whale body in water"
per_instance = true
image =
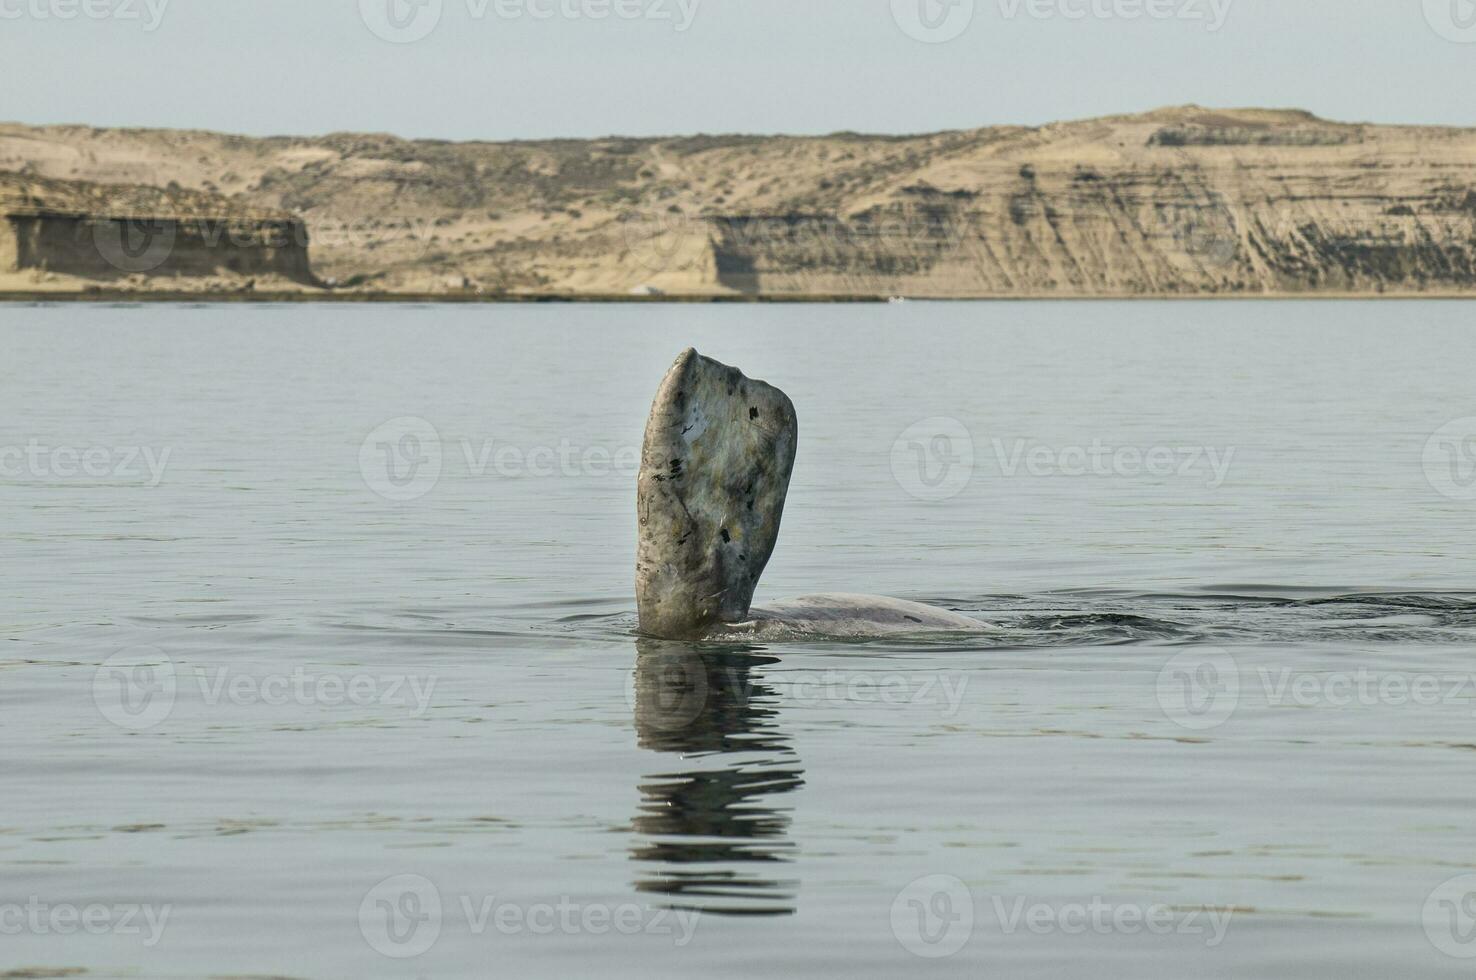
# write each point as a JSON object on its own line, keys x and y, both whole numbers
{"x": 715, "y": 468}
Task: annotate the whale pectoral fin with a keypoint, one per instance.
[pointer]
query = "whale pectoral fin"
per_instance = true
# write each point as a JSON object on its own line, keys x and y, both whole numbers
{"x": 715, "y": 469}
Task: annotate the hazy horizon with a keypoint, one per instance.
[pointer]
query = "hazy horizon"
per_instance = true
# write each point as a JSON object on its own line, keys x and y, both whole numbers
{"x": 499, "y": 70}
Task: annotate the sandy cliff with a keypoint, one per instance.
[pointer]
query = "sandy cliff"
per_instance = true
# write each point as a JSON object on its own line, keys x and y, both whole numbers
{"x": 1183, "y": 201}
{"x": 64, "y": 236}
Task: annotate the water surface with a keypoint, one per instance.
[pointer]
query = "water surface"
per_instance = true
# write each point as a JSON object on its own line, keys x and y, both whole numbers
{"x": 342, "y": 714}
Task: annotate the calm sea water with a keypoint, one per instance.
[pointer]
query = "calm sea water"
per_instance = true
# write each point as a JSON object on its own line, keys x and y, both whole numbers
{"x": 319, "y": 660}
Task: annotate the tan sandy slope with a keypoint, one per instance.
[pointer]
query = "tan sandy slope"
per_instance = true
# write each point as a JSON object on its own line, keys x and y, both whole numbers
{"x": 1182, "y": 201}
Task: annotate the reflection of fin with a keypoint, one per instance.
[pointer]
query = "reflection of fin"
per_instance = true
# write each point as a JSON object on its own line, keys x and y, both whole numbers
{"x": 715, "y": 471}
{"x": 714, "y": 835}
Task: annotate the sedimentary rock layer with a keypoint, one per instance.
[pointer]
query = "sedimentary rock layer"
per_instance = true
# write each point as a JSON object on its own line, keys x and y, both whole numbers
{"x": 1178, "y": 202}
{"x": 87, "y": 231}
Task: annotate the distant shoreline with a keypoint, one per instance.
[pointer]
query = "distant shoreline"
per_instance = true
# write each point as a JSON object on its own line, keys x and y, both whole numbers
{"x": 440, "y": 299}
{"x": 1179, "y": 203}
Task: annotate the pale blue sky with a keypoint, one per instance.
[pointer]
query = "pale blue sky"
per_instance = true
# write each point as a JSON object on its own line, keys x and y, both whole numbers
{"x": 806, "y": 66}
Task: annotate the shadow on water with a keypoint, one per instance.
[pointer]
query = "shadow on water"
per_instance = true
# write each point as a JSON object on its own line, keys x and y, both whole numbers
{"x": 714, "y": 834}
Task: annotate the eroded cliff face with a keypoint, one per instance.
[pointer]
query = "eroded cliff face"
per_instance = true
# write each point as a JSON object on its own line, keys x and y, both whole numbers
{"x": 107, "y": 233}
{"x": 1114, "y": 209}
{"x": 1178, "y": 202}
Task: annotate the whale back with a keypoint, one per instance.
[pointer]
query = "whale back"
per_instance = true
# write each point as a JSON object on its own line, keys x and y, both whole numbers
{"x": 715, "y": 468}
{"x": 843, "y": 616}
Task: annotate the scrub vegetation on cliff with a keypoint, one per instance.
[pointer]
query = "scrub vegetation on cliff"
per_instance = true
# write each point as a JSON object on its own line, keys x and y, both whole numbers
{"x": 1178, "y": 202}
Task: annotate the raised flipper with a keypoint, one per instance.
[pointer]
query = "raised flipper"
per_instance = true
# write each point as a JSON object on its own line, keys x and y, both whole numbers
{"x": 719, "y": 452}
{"x": 715, "y": 471}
